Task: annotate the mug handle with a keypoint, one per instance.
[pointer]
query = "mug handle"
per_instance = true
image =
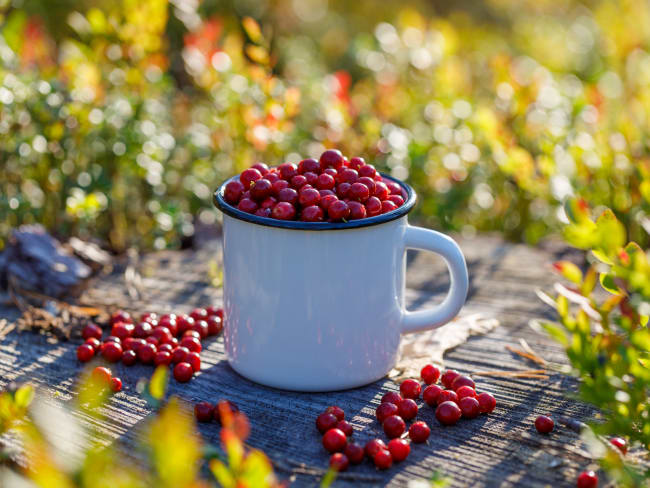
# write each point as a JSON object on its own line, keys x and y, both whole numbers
{"x": 432, "y": 318}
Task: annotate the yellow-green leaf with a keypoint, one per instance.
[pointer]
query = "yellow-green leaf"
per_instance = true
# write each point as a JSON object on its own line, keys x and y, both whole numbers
{"x": 24, "y": 396}
{"x": 611, "y": 233}
{"x": 607, "y": 282}
{"x": 562, "y": 306}
{"x": 556, "y": 332}
{"x": 576, "y": 210}
{"x": 257, "y": 470}
{"x": 158, "y": 383}
{"x": 569, "y": 270}
{"x": 600, "y": 256}
{"x": 222, "y": 474}
{"x": 252, "y": 29}
{"x": 589, "y": 282}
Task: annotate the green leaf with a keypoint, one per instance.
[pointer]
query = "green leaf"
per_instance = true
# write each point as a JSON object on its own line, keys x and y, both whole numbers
{"x": 257, "y": 470}
{"x": 589, "y": 282}
{"x": 24, "y": 396}
{"x": 582, "y": 235}
{"x": 328, "y": 479}
{"x": 601, "y": 257}
{"x": 611, "y": 233}
{"x": 158, "y": 383}
{"x": 607, "y": 282}
{"x": 556, "y": 332}
{"x": 222, "y": 474}
{"x": 569, "y": 270}
{"x": 576, "y": 210}
{"x": 562, "y": 306}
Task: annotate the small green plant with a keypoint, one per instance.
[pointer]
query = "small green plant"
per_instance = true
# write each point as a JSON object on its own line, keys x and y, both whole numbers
{"x": 606, "y": 337}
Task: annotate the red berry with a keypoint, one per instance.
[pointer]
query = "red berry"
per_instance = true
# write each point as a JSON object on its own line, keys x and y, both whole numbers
{"x": 430, "y": 374}
{"x": 331, "y": 158}
{"x": 357, "y": 210}
{"x": 342, "y": 190}
{"x": 339, "y": 462}
{"x": 85, "y": 353}
{"x": 354, "y": 453}
{"x": 162, "y": 334}
{"x": 338, "y": 210}
{"x": 288, "y": 195}
{"x": 381, "y": 191}
{"x": 410, "y": 389}
{"x": 385, "y": 410}
{"x": 369, "y": 182}
{"x": 309, "y": 197}
{"x": 195, "y": 361}
{"x": 345, "y": 427}
{"x": 308, "y": 165}
{"x": 383, "y": 459}
{"x": 192, "y": 333}
{"x": 356, "y": 163}
{"x": 248, "y": 176}
{"x": 91, "y": 330}
{"x": 359, "y": 191}
{"x": 179, "y": 354}
{"x": 201, "y": 326}
{"x": 263, "y": 212}
{"x": 298, "y": 181}
{"x": 167, "y": 347}
{"x": 215, "y": 325}
{"x": 447, "y": 396}
{"x": 122, "y": 330}
{"x": 387, "y": 206}
{"x": 373, "y": 206}
{"x": 394, "y": 426}
{"x": 330, "y": 171}
{"x": 183, "y": 372}
{"x": 192, "y": 343}
{"x": 325, "y": 182}
{"x": 327, "y": 200}
{"x": 397, "y": 200}
{"x": 150, "y": 317}
{"x": 430, "y": 395}
{"x": 288, "y": 170}
{"x": 129, "y": 357}
{"x": 162, "y": 357}
{"x": 95, "y": 343}
{"x": 391, "y": 397}
{"x": 486, "y": 402}
{"x": 147, "y": 353}
{"x": 334, "y": 440}
{"x": 283, "y": 211}
{"x": 326, "y": 421}
{"x": 247, "y": 205}
{"x": 408, "y": 409}
{"x": 587, "y": 479}
{"x": 142, "y": 330}
{"x": 152, "y": 340}
{"x": 367, "y": 170}
{"x": 169, "y": 322}
{"x": 394, "y": 187}
{"x": 114, "y": 339}
{"x": 261, "y": 167}
{"x": 347, "y": 175}
{"x": 102, "y": 374}
{"x": 233, "y": 192}
{"x": 111, "y": 351}
{"x": 462, "y": 381}
{"x": 199, "y": 314}
{"x": 620, "y": 443}
{"x": 222, "y": 404}
{"x": 203, "y": 411}
{"x": 312, "y": 213}
{"x": 448, "y": 377}
{"x": 469, "y": 407}
{"x": 448, "y": 413}
{"x": 336, "y": 411}
{"x": 312, "y": 178}
{"x": 373, "y": 447}
{"x": 260, "y": 190}
{"x": 399, "y": 449}
{"x": 465, "y": 391}
{"x": 116, "y": 384}
{"x": 544, "y": 424}
{"x": 419, "y": 432}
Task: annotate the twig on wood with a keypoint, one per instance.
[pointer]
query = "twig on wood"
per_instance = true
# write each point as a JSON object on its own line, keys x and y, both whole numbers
{"x": 530, "y": 373}
{"x": 528, "y": 353}
{"x": 5, "y": 328}
{"x": 295, "y": 467}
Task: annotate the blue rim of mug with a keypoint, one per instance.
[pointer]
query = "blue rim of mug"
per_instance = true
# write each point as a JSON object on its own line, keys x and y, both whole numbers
{"x": 234, "y": 212}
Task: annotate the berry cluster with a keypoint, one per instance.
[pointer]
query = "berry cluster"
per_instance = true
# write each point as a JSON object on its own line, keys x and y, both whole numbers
{"x": 207, "y": 412}
{"x": 104, "y": 376}
{"x": 165, "y": 340}
{"x": 331, "y": 189}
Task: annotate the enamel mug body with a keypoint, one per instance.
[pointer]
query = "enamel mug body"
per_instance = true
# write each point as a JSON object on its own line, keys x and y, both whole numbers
{"x": 320, "y": 306}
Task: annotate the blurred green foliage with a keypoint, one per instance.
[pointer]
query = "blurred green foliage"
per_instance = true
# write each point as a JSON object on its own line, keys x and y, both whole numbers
{"x": 119, "y": 118}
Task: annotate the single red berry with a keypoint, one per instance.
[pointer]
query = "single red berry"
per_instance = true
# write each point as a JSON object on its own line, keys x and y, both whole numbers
{"x": 354, "y": 453}
{"x": 185, "y": 322}
{"x": 620, "y": 443}
{"x": 465, "y": 391}
{"x": 419, "y": 432}
{"x": 248, "y": 176}
{"x": 215, "y": 311}
{"x": 102, "y": 374}
{"x": 410, "y": 389}
{"x": 385, "y": 410}
{"x": 331, "y": 158}
{"x": 448, "y": 377}
{"x": 313, "y": 213}
{"x": 199, "y": 314}
{"x": 587, "y": 479}
{"x": 339, "y": 462}
{"x": 150, "y": 317}
{"x": 387, "y": 206}
{"x": 152, "y": 340}
{"x": 201, "y": 326}
{"x": 169, "y": 321}
{"x": 430, "y": 374}
{"x": 399, "y": 449}
{"x": 260, "y": 190}
{"x": 298, "y": 182}
{"x": 195, "y": 361}
{"x": 408, "y": 409}
{"x": 142, "y": 330}
{"x": 327, "y": 200}
{"x": 397, "y": 200}
{"x": 447, "y": 396}
{"x": 167, "y": 347}
{"x": 391, "y": 397}
{"x": 336, "y": 411}
{"x": 448, "y": 413}
{"x": 326, "y": 421}
{"x": 278, "y": 186}
{"x": 381, "y": 191}
{"x": 247, "y": 205}
{"x": 373, "y": 447}
{"x": 192, "y": 333}
{"x": 370, "y": 183}
{"x": 469, "y": 407}
{"x": 288, "y": 170}
{"x": 203, "y": 411}
{"x": 356, "y": 163}
{"x": 307, "y": 165}
{"x": 338, "y": 210}
{"x": 132, "y": 343}
{"x": 162, "y": 357}
{"x": 373, "y": 207}
{"x": 486, "y": 402}
{"x": 85, "y": 352}
{"x": 114, "y": 339}
{"x": 393, "y": 186}
{"x": 95, "y": 343}
{"x": 312, "y": 178}
{"x": 460, "y": 381}
{"x": 147, "y": 353}
{"x": 334, "y": 440}
{"x": 309, "y": 197}
{"x": 330, "y": 171}
{"x": 359, "y": 191}
{"x": 162, "y": 334}
{"x": 283, "y": 211}
{"x": 383, "y": 459}
{"x": 325, "y": 182}
{"x": 347, "y": 175}
{"x": 342, "y": 190}
{"x": 179, "y": 354}
{"x": 122, "y": 330}
{"x": 215, "y": 325}
{"x": 116, "y": 384}
{"x": 345, "y": 427}
{"x": 91, "y": 330}
{"x": 261, "y": 167}
{"x": 111, "y": 351}
{"x": 183, "y": 372}
{"x": 394, "y": 426}
{"x": 129, "y": 357}
{"x": 430, "y": 395}
{"x": 192, "y": 343}
{"x": 367, "y": 170}
{"x": 357, "y": 210}
{"x": 120, "y": 316}
{"x": 268, "y": 203}
{"x": 233, "y": 192}
{"x": 544, "y": 424}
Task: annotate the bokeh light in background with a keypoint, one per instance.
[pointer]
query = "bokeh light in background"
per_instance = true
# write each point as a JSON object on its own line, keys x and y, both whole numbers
{"x": 119, "y": 118}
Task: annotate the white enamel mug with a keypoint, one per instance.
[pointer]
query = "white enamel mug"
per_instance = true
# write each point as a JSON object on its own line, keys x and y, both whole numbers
{"x": 318, "y": 306}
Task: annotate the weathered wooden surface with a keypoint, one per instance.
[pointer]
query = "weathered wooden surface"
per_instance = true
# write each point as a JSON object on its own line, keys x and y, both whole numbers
{"x": 501, "y": 449}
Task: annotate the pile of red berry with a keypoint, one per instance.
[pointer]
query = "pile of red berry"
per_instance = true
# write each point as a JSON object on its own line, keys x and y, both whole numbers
{"x": 206, "y": 412}
{"x": 331, "y": 189}
{"x": 165, "y": 340}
